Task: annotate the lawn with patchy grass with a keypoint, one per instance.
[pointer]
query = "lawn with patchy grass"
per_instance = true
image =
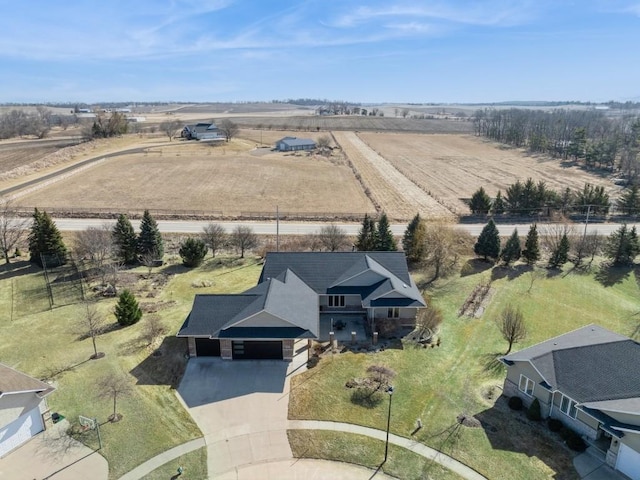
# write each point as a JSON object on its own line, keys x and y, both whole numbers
{"x": 462, "y": 376}
{"x": 194, "y": 465}
{"x": 48, "y": 343}
{"x": 365, "y": 451}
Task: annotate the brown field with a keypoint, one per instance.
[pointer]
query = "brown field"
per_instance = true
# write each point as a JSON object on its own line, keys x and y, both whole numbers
{"x": 453, "y": 167}
{"x": 232, "y": 178}
{"x": 14, "y": 154}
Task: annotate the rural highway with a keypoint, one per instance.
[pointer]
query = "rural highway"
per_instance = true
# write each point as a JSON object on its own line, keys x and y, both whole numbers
{"x": 304, "y": 228}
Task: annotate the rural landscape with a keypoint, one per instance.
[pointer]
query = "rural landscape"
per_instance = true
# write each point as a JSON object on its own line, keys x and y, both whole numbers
{"x": 100, "y": 314}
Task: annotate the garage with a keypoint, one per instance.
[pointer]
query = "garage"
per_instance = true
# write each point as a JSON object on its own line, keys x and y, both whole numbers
{"x": 628, "y": 462}
{"x": 20, "y": 430}
{"x": 207, "y": 347}
{"x": 255, "y": 349}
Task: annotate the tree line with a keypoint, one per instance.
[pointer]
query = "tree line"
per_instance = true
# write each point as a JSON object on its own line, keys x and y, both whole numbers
{"x": 585, "y": 136}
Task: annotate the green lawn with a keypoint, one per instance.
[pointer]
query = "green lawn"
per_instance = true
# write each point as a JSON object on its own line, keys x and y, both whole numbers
{"x": 194, "y": 465}
{"x": 438, "y": 384}
{"x": 43, "y": 342}
{"x": 365, "y": 451}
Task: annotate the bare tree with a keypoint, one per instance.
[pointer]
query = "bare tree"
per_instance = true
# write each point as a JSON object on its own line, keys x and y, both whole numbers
{"x": 214, "y": 236}
{"x": 243, "y": 238}
{"x": 333, "y": 238}
{"x": 380, "y": 377}
{"x": 149, "y": 260}
{"x": 428, "y": 320}
{"x": 170, "y": 128}
{"x": 152, "y": 329}
{"x": 112, "y": 387}
{"x": 96, "y": 245}
{"x": 535, "y": 274}
{"x": 228, "y": 128}
{"x": 324, "y": 142}
{"x": 92, "y": 324}
{"x": 444, "y": 246}
{"x": 551, "y": 236}
{"x": 584, "y": 246}
{"x": 12, "y": 229}
{"x": 405, "y": 112}
{"x": 512, "y": 326}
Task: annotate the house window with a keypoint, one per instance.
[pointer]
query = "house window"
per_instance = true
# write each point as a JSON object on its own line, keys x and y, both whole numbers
{"x": 393, "y": 312}
{"x": 526, "y": 385}
{"x": 568, "y": 407}
{"x": 336, "y": 300}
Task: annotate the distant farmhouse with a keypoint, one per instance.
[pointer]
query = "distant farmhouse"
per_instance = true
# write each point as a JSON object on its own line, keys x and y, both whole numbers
{"x": 208, "y": 132}
{"x": 292, "y": 144}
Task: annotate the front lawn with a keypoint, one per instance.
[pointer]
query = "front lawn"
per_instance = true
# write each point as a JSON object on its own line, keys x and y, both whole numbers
{"x": 462, "y": 375}
{"x": 47, "y": 343}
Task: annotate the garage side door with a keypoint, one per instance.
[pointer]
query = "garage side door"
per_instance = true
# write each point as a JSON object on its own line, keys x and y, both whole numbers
{"x": 628, "y": 462}
{"x": 206, "y": 347}
{"x": 19, "y": 431}
{"x": 254, "y": 350}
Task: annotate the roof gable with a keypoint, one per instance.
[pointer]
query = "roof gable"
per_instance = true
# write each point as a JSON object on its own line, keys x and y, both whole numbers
{"x": 12, "y": 381}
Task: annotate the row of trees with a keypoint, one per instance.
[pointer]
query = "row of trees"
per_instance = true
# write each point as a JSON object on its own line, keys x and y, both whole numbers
{"x": 375, "y": 236}
{"x": 18, "y": 123}
{"x": 531, "y": 198}
{"x": 560, "y": 244}
{"x": 587, "y": 136}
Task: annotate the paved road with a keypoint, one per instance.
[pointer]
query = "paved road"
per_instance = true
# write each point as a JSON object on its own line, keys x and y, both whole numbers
{"x": 304, "y": 228}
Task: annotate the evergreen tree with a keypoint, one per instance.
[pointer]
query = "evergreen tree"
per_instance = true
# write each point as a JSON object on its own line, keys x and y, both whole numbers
{"x": 127, "y": 310}
{"x": 45, "y": 240}
{"x": 384, "y": 238}
{"x": 193, "y": 251}
{"x": 413, "y": 241}
{"x": 560, "y": 255}
{"x": 480, "y": 203}
{"x": 622, "y": 245}
{"x": 150, "y": 240}
{"x": 488, "y": 243}
{"x": 124, "y": 237}
{"x": 531, "y": 252}
{"x": 629, "y": 201}
{"x": 511, "y": 251}
{"x": 366, "y": 236}
{"x": 497, "y": 208}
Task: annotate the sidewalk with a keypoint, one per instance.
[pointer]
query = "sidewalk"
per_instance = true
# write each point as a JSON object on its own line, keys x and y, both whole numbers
{"x": 165, "y": 457}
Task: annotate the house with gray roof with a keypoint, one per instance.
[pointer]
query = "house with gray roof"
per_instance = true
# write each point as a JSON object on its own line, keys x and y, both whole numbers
{"x": 295, "y": 294}
{"x": 589, "y": 379}
{"x": 203, "y": 131}
{"x": 292, "y": 144}
{"x": 22, "y": 408}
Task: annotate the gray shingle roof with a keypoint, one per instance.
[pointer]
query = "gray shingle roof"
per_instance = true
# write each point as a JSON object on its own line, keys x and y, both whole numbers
{"x": 295, "y": 141}
{"x": 13, "y": 381}
{"x": 590, "y": 364}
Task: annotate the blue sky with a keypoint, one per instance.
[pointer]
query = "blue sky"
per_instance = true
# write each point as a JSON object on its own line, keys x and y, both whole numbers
{"x": 363, "y": 51}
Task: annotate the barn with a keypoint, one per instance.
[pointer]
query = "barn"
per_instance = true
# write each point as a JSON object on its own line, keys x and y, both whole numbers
{"x": 292, "y": 144}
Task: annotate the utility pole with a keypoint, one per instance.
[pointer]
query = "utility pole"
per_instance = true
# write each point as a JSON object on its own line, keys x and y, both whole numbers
{"x": 586, "y": 222}
{"x": 277, "y": 229}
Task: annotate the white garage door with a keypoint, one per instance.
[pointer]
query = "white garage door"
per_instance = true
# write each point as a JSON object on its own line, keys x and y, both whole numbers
{"x": 19, "y": 431}
{"x": 628, "y": 462}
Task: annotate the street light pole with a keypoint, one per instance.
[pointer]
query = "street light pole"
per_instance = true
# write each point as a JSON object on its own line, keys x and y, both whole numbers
{"x": 386, "y": 445}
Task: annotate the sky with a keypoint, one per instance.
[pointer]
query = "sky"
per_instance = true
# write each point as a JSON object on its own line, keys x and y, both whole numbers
{"x": 368, "y": 51}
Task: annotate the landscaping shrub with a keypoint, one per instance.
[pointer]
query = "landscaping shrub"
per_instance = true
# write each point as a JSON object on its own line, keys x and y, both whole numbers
{"x": 575, "y": 443}
{"x": 533, "y": 412}
{"x": 515, "y": 403}
{"x": 127, "y": 310}
{"x": 555, "y": 425}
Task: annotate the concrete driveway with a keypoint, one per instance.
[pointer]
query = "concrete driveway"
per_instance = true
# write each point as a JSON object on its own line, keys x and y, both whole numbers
{"x": 53, "y": 455}
{"x": 241, "y": 407}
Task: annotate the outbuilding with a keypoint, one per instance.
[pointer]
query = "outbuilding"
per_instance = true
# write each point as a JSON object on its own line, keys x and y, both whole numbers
{"x": 292, "y": 144}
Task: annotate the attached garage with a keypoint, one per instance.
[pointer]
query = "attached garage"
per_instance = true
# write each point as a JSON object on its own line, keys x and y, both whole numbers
{"x": 257, "y": 349}
{"x": 207, "y": 347}
{"x": 20, "y": 431}
{"x": 628, "y": 462}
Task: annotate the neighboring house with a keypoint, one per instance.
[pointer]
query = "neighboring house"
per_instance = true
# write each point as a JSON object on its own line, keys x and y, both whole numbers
{"x": 22, "y": 406}
{"x": 590, "y": 380}
{"x": 203, "y": 131}
{"x": 295, "y": 293}
{"x": 292, "y": 144}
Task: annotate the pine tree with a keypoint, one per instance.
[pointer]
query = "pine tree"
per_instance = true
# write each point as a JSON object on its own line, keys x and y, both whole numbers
{"x": 150, "y": 240}
{"x": 366, "y": 236}
{"x": 560, "y": 255}
{"x": 488, "y": 244}
{"x": 629, "y": 201}
{"x": 497, "y": 208}
{"x": 622, "y": 245}
{"x": 531, "y": 252}
{"x": 125, "y": 240}
{"x": 384, "y": 238}
{"x": 511, "y": 251}
{"x": 480, "y": 203}
{"x": 127, "y": 310}
{"x": 413, "y": 242}
{"x": 193, "y": 251}
{"x": 45, "y": 240}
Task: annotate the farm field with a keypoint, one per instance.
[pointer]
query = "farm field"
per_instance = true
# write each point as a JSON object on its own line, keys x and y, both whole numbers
{"x": 231, "y": 178}
{"x": 453, "y": 167}
{"x": 14, "y": 154}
